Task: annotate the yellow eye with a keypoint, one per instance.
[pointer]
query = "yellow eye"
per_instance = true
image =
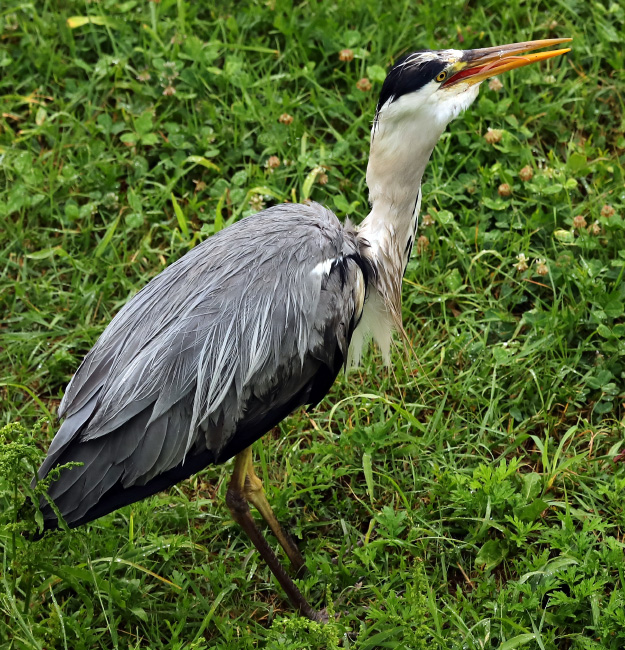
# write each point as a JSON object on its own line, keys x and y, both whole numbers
{"x": 441, "y": 76}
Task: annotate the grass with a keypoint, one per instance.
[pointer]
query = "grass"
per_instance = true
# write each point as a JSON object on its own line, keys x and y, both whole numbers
{"x": 469, "y": 497}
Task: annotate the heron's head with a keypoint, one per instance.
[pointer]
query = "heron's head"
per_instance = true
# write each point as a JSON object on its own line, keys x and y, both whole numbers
{"x": 438, "y": 85}
{"x": 421, "y": 94}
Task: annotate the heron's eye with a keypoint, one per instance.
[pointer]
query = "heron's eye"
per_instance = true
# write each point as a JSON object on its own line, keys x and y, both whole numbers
{"x": 441, "y": 76}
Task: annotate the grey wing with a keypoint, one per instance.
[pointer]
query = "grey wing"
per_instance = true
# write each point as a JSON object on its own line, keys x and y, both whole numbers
{"x": 210, "y": 355}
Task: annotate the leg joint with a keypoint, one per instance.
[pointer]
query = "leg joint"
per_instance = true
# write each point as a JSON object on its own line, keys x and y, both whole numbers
{"x": 253, "y": 486}
{"x": 236, "y": 501}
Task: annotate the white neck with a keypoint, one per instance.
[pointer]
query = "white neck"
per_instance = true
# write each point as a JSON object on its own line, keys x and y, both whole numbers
{"x": 397, "y": 161}
{"x": 402, "y": 139}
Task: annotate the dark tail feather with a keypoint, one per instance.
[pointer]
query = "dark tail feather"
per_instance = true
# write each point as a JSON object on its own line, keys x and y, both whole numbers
{"x": 118, "y": 496}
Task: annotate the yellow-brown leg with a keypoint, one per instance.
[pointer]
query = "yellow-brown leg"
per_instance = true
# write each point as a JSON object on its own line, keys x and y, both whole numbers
{"x": 236, "y": 499}
{"x": 255, "y": 494}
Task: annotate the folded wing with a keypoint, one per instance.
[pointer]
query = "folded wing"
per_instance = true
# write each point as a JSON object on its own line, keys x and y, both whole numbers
{"x": 210, "y": 355}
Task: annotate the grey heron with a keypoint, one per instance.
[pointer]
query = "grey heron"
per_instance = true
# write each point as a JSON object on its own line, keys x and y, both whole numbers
{"x": 257, "y": 321}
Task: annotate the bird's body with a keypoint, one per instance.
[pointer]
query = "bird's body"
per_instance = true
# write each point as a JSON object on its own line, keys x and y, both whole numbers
{"x": 257, "y": 321}
{"x": 209, "y": 356}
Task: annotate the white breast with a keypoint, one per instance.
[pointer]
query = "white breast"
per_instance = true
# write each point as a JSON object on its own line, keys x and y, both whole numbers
{"x": 376, "y": 324}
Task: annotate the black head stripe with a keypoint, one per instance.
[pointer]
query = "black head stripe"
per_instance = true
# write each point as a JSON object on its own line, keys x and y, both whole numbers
{"x": 409, "y": 74}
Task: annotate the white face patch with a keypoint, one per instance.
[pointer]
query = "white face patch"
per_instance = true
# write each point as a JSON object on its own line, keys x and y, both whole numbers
{"x": 438, "y": 105}
{"x": 455, "y": 100}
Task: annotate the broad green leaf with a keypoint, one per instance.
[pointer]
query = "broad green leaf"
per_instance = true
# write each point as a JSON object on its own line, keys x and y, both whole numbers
{"x": 564, "y": 236}
{"x": 532, "y": 511}
{"x": 144, "y": 123}
{"x": 264, "y": 190}
{"x": 341, "y": 203}
{"x": 308, "y": 183}
{"x": 47, "y": 252}
{"x": 532, "y": 485}
{"x": 239, "y": 178}
{"x": 81, "y": 21}
{"x": 614, "y": 308}
{"x": 201, "y": 160}
{"x": 501, "y": 354}
{"x": 445, "y": 217}
{"x": 149, "y": 139}
{"x": 134, "y": 219}
{"x": 517, "y": 641}
{"x": 41, "y": 115}
{"x": 139, "y": 612}
{"x": 71, "y": 210}
{"x": 492, "y": 553}
{"x": 134, "y": 201}
{"x": 453, "y": 280}
{"x": 376, "y": 73}
{"x": 128, "y": 137}
{"x": 495, "y": 204}
{"x": 549, "y": 570}
{"x": 552, "y": 188}
{"x": 377, "y": 640}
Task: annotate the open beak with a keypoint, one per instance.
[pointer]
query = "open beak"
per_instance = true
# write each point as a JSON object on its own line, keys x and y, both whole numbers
{"x": 477, "y": 65}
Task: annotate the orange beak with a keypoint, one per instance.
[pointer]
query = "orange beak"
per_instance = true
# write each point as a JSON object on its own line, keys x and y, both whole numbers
{"x": 477, "y": 65}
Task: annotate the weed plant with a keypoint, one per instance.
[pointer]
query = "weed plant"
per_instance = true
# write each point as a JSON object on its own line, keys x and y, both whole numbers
{"x": 469, "y": 497}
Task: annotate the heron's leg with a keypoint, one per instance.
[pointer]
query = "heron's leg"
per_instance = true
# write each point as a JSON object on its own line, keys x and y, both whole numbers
{"x": 237, "y": 503}
{"x": 255, "y": 494}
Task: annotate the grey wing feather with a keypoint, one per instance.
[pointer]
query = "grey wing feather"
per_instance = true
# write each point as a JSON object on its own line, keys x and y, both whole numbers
{"x": 233, "y": 328}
